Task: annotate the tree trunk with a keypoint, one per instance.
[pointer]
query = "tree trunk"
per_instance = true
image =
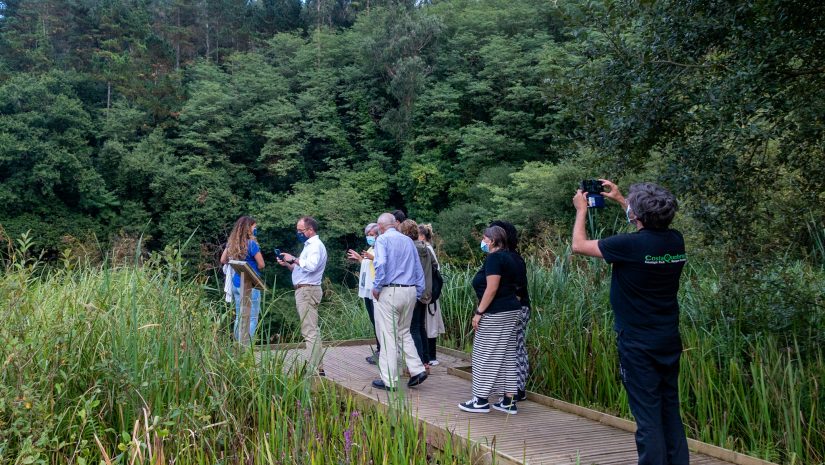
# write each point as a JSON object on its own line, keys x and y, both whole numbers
{"x": 177, "y": 42}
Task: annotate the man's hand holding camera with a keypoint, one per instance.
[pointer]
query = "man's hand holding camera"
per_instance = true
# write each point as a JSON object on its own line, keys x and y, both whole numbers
{"x": 582, "y": 201}
{"x": 613, "y": 193}
{"x": 602, "y": 187}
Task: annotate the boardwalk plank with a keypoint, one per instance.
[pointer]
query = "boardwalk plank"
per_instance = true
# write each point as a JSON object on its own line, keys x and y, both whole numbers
{"x": 538, "y": 434}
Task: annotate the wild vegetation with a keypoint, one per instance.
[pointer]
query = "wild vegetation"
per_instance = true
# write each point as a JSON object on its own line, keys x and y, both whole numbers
{"x": 171, "y": 118}
{"x": 134, "y": 365}
{"x": 168, "y": 119}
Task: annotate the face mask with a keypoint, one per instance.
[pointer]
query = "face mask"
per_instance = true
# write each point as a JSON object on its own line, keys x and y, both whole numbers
{"x": 255, "y": 232}
{"x": 627, "y": 214}
{"x": 371, "y": 240}
{"x": 301, "y": 237}
{"x": 485, "y": 247}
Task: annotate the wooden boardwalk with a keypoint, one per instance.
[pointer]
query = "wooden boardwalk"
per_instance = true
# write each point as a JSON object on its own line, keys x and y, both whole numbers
{"x": 538, "y": 434}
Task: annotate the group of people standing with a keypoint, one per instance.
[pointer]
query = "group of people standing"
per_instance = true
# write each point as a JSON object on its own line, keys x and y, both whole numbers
{"x": 426, "y": 322}
{"x": 395, "y": 282}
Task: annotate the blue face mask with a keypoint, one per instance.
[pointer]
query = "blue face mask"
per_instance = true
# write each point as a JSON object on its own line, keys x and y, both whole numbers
{"x": 301, "y": 237}
{"x": 371, "y": 240}
{"x": 255, "y": 232}
{"x": 485, "y": 247}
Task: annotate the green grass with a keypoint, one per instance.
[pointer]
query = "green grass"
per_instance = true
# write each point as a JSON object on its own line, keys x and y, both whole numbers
{"x": 104, "y": 364}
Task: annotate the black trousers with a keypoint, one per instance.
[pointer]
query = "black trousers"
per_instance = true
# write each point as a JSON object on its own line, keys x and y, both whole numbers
{"x": 432, "y": 346}
{"x": 651, "y": 379}
{"x": 418, "y": 331}
{"x": 371, "y": 312}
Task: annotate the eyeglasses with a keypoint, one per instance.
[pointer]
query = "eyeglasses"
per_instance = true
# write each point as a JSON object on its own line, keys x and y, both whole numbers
{"x": 301, "y": 229}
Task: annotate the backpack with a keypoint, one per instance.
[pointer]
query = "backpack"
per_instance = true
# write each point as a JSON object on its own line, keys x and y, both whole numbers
{"x": 438, "y": 283}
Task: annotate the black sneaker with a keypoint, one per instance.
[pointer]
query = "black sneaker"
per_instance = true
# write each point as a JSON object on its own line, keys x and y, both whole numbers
{"x": 521, "y": 396}
{"x": 417, "y": 379}
{"x": 373, "y": 359}
{"x": 507, "y": 405}
{"x": 474, "y": 406}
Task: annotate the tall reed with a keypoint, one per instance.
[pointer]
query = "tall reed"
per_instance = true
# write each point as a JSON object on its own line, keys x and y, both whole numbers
{"x": 752, "y": 391}
{"x": 135, "y": 365}
{"x": 752, "y": 364}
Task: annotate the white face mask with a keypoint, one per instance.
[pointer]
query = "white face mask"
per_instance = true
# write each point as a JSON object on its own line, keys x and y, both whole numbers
{"x": 627, "y": 214}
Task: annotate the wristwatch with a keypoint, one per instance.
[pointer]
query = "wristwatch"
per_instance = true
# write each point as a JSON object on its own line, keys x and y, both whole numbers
{"x": 478, "y": 313}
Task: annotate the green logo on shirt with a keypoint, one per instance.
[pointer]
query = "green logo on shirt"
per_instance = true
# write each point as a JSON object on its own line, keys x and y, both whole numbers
{"x": 666, "y": 258}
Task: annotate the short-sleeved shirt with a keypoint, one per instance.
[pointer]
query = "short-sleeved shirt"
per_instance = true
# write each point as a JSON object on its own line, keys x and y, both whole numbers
{"x": 252, "y": 249}
{"x": 521, "y": 279}
{"x": 647, "y": 266}
{"x": 499, "y": 263}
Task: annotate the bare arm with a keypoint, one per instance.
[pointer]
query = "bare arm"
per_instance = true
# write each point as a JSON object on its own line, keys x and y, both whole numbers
{"x": 582, "y": 245}
{"x": 225, "y": 256}
{"x": 493, "y": 281}
{"x": 259, "y": 259}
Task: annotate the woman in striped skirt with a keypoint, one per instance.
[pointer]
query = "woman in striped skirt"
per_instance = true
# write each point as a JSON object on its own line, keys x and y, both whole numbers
{"x": 495, "y": 323}
{"x": 522, "y": 362}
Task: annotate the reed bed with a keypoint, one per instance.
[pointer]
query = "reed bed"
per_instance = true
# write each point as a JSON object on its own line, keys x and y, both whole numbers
{"x": 752, "y": 365}
{"x": 134, "y": 365}
{"x": 745, "y": 385}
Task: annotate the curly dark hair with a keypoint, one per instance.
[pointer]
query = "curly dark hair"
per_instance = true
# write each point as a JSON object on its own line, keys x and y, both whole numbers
{"x": 512, "y": 234}
{"x": 652, "y": 204}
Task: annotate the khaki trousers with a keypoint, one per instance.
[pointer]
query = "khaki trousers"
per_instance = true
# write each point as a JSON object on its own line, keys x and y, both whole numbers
{"x": 393, "y": 314}
{"x": 307, "y": 300}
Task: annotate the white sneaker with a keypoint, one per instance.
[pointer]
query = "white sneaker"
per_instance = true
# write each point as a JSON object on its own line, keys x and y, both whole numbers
{"x": 434, "y": 363}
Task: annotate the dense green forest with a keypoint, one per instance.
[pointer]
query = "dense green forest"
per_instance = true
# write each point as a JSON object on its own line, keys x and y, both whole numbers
{"x": 148, "y": 126}
{"x": 169, "y": 118}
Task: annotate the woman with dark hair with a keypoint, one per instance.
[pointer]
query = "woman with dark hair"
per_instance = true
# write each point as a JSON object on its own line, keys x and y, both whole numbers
{"x": 495, "y": 322}
{"x": 434, "y": 321}
{"x": 242, "y": 245}
{"x": 522, "y": 361}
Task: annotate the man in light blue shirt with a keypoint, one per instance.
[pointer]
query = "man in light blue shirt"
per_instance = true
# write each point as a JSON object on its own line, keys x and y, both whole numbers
{"x": 399, "y": 283}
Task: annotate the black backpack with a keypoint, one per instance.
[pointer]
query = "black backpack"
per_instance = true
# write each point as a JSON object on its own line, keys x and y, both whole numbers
{"x": 438, "y": 283}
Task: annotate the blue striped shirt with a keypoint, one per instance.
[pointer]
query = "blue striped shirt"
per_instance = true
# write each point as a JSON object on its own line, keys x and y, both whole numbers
{"x": 397, "y": 262}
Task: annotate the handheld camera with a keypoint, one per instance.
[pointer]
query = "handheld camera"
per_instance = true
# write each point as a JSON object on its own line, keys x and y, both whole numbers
{"x": 594, "y": 190}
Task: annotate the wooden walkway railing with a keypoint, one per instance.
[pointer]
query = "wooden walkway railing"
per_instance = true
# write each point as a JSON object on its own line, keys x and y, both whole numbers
{"x": 545, "y": 430}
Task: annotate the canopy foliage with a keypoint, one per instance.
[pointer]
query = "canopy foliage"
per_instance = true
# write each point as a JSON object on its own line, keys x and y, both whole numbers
{"x": 171, "y": 118}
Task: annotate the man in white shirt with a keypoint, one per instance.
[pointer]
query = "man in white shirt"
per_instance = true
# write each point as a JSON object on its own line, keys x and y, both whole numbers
{"x": 307, "y": 273}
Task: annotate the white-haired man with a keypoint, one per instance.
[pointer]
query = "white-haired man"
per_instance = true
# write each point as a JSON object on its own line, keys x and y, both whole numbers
{"x": 398, "y": 284}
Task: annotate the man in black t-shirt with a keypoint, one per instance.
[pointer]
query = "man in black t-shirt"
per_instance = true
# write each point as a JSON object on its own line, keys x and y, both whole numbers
{"x": 647, "y": 265}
